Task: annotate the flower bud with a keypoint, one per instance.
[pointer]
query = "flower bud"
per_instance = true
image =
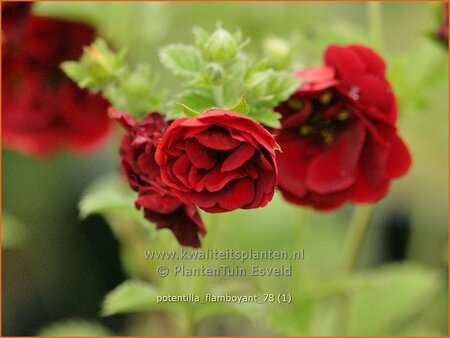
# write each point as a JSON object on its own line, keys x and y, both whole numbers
{"x": 278, "y": 52}
{"x": 214, "y": 73}
{"x": 221, "y": 46}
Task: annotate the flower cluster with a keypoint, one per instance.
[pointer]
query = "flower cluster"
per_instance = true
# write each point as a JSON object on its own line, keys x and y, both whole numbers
{"x": 324, "y": 137}
{"x": 42, "y": 110}
{"x": 160, "y": 203}
{"x": 338, "y": 138}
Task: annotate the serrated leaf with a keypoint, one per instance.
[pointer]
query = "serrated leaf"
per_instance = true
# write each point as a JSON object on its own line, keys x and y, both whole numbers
{"x": 133, "y": 296}
{"x": 183, "y": 61}
{"x": 269, "y": 118}
{"x": 197, "y": 100}
{"x": 241, "y": 107}
{"x": 75, "y": 328}
{"x": 281, "y": 86}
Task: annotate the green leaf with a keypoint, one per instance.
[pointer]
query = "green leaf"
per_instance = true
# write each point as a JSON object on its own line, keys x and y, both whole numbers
{"x": 133, "y": 296}
{"x": 269, "y": 118}
{"x": 197, "y": 100}
{"x": 241, "y": 107}
{"x": 182, "y": 60}
{"x": 281, "y": 86}
{"x": 97, "y": 67}
{"x": 397, "y": 293}
{"x": 109, "y": 194}
{"x": 189, "y": 112}
{"x": 75, "y": 328}
{"x": 135, "y": 92}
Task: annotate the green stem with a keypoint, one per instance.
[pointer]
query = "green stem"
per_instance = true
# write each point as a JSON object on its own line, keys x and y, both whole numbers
{"x": 374, "y": 12}
{"x": 218, "y": 96}
{"x": 355, "y": 239}
{"x": 355, "y": 236}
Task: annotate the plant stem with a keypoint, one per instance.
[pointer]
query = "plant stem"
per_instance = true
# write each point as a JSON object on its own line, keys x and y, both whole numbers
{"x": 218, "y": 96}
{"x": 356, "y": 234}
{"x": 375, "y": 23}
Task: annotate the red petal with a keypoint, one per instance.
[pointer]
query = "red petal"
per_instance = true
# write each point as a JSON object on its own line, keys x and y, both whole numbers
{"x": 238, "y": 157}
{"x": 334, "y": 168}
{"x": 347, "y": 63}
{"x": 164, "y": 204}
{"x": 198, "y": 155}
{"x": 216, "y": 179}
{"x": 373, "y": 61}
{"x": 292, "y": 162}
{"x": 316, "y": 78}
{"x": 399, "y": 160}
{"x": 365, "y": 192}
{"x": 238, "y": 194}
{"x": 217, "y": 138}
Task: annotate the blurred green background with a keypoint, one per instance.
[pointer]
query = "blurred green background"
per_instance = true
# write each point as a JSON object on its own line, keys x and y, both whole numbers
{"x": 56, "y": 267}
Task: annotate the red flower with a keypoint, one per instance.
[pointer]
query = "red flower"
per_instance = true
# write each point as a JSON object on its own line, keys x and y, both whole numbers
{"x": 42, "y": 109}
{"x": 159, "y": 202}
{"x": 219, "y": 160}
{"x": 338, "y": 138}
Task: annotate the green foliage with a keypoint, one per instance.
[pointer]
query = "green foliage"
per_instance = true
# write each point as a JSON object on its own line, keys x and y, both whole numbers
{"x": 132, "y": 296}
{"x": 13, "y": 232}
{"x": 75, "y": 328}
{"x": 183, "y": 61}
{"x": 420, "y": 76}
{"x": 97, "y": 67}
{"x": 109, "y": 195}
{"x": 215, "y": 73}
{"x": 101, "y": 69}
{"x": 397, "y": 294}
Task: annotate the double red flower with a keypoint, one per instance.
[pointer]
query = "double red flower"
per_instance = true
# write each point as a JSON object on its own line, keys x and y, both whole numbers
{"x": 42, "y": 110}
{"x": 338, "y": 139}
{"x": 160, "y": 203}
{"x": 219, "y": 160}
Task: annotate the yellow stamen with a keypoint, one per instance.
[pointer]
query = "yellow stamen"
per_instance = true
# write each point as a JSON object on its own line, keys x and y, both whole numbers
{"x": 326, "y": 97}
{"x": 295, "y": 104}
{"x": 343, "y": 115}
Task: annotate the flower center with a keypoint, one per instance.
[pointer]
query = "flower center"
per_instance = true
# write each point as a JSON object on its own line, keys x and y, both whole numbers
{"x": 328, "y": 116}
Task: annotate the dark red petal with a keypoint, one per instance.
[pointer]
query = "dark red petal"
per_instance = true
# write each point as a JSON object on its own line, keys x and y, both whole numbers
{"x": 127, "y": 121}
{"x": 181, "y": 169}
{"x": 238, "y": 194}
{"x": 293, "y": 162}
{"x": 376, "y": 92}
{"x": 373, "y": 61}
{"x": 334, "y": 168}
{"x": 198, "y": 155}
{"x": 365, "y": 192}
{"x": 185, "y": 224}
{"x": 373, "y": 160}
{"x": 238, "y": 157}
{"x": 348, "y": 64}
{"x": 163, "y": 204}
{"x": 216, "y": 180}
{"x": 399, "y": 160}
{"x": 217, "y": 138}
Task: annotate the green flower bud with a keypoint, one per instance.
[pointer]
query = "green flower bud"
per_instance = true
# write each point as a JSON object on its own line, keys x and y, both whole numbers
{"x": 221, "y": 46}
{"x": 256, "y": 84}
{"x": 214, "y": 73}
{"x": 97, "y": 67}
{"x": 278, "y": 52}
